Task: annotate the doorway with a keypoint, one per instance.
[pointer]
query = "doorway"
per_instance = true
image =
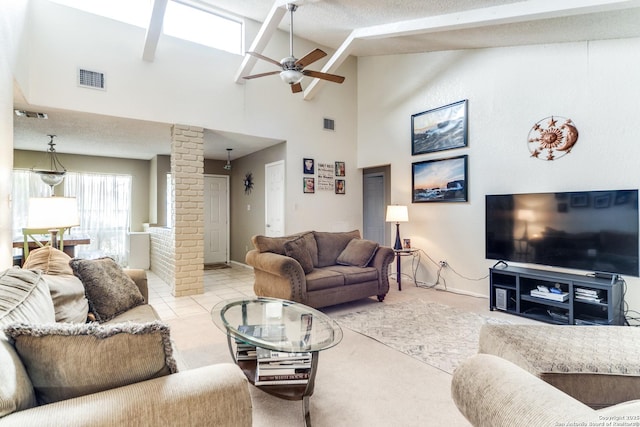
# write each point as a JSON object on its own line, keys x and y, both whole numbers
{"x": 375, "y": 198}
{"x": 216, "y": 219}
{"x": 274, "y": 199}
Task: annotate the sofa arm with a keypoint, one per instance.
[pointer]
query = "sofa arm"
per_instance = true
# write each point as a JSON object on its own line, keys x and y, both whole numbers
{"x": 381, "y": 261}
{"x": 277, "y": 276}
{"x": 493, "y": 392}
{"x": 215, "y": 395}
{"x": 139, "y": 277}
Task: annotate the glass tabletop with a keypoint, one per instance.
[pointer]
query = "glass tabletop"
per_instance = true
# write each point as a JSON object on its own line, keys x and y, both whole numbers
{"x": 276, "y": 324}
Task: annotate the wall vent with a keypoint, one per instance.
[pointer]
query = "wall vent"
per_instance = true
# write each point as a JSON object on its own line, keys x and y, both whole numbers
{"x": 31, "y": 114}
{"x": 91, "y": 79}
{"x": 329, "y": 124}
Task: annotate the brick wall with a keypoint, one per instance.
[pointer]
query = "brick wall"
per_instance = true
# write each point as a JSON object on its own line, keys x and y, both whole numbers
{"x": 162, "y": 253}
{"x": 187, "y": 169}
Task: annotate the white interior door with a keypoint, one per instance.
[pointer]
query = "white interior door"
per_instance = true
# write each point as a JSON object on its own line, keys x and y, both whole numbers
{"x": 274, "y": 199}
{"x": 216, "y": 219}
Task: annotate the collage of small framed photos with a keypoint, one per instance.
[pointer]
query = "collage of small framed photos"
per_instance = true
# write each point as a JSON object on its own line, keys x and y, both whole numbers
{"x": 323, "y": 176}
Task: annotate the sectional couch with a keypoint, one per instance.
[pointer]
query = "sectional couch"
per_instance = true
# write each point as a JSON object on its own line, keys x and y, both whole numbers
{"x": 119, "y": 368}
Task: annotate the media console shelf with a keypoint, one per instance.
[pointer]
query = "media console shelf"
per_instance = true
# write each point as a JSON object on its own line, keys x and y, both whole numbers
{"x": 583, "y": 300}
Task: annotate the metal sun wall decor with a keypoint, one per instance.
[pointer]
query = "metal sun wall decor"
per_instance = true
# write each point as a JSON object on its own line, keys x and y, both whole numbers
{"x": 547, "y": 137}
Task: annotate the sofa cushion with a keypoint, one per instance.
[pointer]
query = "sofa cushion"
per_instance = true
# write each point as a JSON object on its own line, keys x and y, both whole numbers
{"x": 109, "y": 289}
{"x": 331, "y": 244}
{"x": 324, "y": 278}
{"x": 69, "y": 300}
{"x": 358, "y": 253}
{"x": 353, "y": 275}
{"x": 24, "y": 296}
{"x": 297, "y": 249}
{"x": 68, "y": 360}
{"x": 270, "y": 244}
{"x": 49, "y": 260}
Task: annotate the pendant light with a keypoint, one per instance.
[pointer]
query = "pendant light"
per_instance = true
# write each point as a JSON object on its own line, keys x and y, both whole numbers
{"x": 228, "y": 165}
{"x": 56, "y": 172}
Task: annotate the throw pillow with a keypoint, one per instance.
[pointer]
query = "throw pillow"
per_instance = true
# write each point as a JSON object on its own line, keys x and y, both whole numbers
{"x": 297, "y": 249}
{"x": 67, "y": 360}
{"x": 358, "y": 252}
{"x": 331, "y": 244}
{"x": 24, "y": 297}
{"x": 109, "y": 289}
{"x": 69, "y": 300}
{"x": 49, "y": 260}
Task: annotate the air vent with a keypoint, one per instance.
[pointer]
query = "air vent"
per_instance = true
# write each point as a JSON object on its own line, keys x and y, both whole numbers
{"x": 91, "y": 79}
{"x": 329, "y": 124}
{"x": 31, "y": 114}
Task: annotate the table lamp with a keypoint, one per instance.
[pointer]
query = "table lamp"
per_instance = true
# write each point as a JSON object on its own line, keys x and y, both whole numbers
{"x": 52, "y": 214}
{"x": 397, "y": 214}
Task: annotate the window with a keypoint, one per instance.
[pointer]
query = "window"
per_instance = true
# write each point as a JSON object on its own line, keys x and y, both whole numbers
{"x": 104, "y": 203}
{"x": 181, "y": 20}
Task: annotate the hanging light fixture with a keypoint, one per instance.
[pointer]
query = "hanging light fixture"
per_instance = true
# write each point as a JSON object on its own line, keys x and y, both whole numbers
{"x": 228, "y": 165}
{"x": 55, "y": 174}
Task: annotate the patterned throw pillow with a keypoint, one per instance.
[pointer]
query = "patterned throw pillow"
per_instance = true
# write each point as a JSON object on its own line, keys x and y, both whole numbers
{"x": 109, "y": 289}
{"x": 66, "y": 360}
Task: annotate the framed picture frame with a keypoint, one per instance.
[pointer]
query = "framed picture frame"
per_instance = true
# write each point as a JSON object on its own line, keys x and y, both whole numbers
{"x": 442, "y": 128}
{"x": 440, "y": 180}
{"x": 308, "y": 185}
{"x": 340, "y": 186}
{"x": 308, "y": 166}
{"x": 340, "y": 169}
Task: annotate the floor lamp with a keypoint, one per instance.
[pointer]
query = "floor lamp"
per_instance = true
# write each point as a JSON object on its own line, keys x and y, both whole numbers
{"x": 397, "y": 214}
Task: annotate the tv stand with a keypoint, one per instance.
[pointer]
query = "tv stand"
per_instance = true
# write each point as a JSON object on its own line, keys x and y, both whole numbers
{"x": 576, "y": 299}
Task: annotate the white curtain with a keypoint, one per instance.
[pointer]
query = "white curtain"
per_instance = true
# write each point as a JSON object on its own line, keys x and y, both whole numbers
{"x": 104, "y": 206}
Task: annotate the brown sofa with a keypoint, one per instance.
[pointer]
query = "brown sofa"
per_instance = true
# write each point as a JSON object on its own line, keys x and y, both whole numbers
{"x": 124, "y": 374}
{"x": 320, "y": 268}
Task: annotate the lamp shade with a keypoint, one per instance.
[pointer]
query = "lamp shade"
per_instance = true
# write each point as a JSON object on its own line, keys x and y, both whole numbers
{"x": 397, "y": 213}
{"x": 52, "y": 212}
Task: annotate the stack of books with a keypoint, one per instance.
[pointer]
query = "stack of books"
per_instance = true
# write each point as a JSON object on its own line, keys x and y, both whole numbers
{"x": 272, "y": 333}
{"x": 564, "y": 296}
{"x": 588, "y": 295}
{"x": 280, "y": 368}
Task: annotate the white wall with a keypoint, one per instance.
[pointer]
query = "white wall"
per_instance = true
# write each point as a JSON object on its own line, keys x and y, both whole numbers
{"x": 597, "y": 84}
{"x": 11, "y": 39}
{"x": 193, "y": 85}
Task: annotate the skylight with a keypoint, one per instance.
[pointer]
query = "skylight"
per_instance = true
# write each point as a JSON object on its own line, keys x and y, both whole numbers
{"x": 180, "y": 20}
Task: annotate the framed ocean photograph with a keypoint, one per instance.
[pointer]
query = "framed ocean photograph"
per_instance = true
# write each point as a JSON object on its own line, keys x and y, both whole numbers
{"x": 441, "y": 180}
{"x": 440, "y": 129}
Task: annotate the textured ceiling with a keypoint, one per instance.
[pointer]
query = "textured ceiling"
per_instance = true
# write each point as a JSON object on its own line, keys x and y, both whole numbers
{"x": 443, "y": 25}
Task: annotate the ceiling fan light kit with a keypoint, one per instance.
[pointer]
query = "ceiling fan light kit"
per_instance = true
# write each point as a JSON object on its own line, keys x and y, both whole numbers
{"x": 293, "y": 69}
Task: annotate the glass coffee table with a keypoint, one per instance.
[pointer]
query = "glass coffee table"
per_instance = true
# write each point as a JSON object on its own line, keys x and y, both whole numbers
{"x": 276, "y": 343}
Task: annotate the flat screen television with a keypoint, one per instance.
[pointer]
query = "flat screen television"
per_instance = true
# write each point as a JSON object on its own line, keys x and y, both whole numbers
{"x": 585, "y": 230}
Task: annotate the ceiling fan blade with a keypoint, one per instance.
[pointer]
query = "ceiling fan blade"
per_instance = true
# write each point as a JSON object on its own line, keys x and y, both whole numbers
{"x": 255, "y": 76}
{"x": 296, "y": 87}
{"x": 310, "y": 58}
{"x": 324, "y": 76}
{"x": 264, "y": 58}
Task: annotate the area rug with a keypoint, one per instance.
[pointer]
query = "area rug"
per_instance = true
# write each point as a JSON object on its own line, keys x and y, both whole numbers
{"x": 436, "y": 334}
{"x": 216, "y": 266}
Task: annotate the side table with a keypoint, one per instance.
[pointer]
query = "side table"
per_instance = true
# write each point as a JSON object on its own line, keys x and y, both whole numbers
{"x": 399, "y": 254}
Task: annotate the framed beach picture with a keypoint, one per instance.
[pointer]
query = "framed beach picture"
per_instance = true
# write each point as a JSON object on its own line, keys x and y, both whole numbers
{"x": 441, "y": 180}
{"x": 440, "y": 129}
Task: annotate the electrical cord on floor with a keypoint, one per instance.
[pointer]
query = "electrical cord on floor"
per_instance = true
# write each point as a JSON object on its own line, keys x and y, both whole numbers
{"x": 626, "y": 311}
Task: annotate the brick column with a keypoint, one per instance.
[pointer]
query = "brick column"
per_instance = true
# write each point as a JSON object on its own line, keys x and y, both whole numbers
{"x": 187, "y": 170}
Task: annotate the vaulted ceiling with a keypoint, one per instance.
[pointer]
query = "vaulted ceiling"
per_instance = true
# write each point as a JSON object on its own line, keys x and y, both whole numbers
{"x": 357, "y": 28}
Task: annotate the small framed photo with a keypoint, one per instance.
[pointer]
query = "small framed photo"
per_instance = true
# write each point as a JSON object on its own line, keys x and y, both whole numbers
{"x": 308, "y": 166}
{"x": 309, "y": 185}
{"x": 340, "y": 186}
{"x": 407, "y": 243}
{"x": 340, "y": 169}
{"x": 441, "y": 180}
{"x": 440, "y": 129}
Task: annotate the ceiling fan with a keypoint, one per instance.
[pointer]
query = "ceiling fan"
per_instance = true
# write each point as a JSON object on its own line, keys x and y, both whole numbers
{"x": 292, "y": 68}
